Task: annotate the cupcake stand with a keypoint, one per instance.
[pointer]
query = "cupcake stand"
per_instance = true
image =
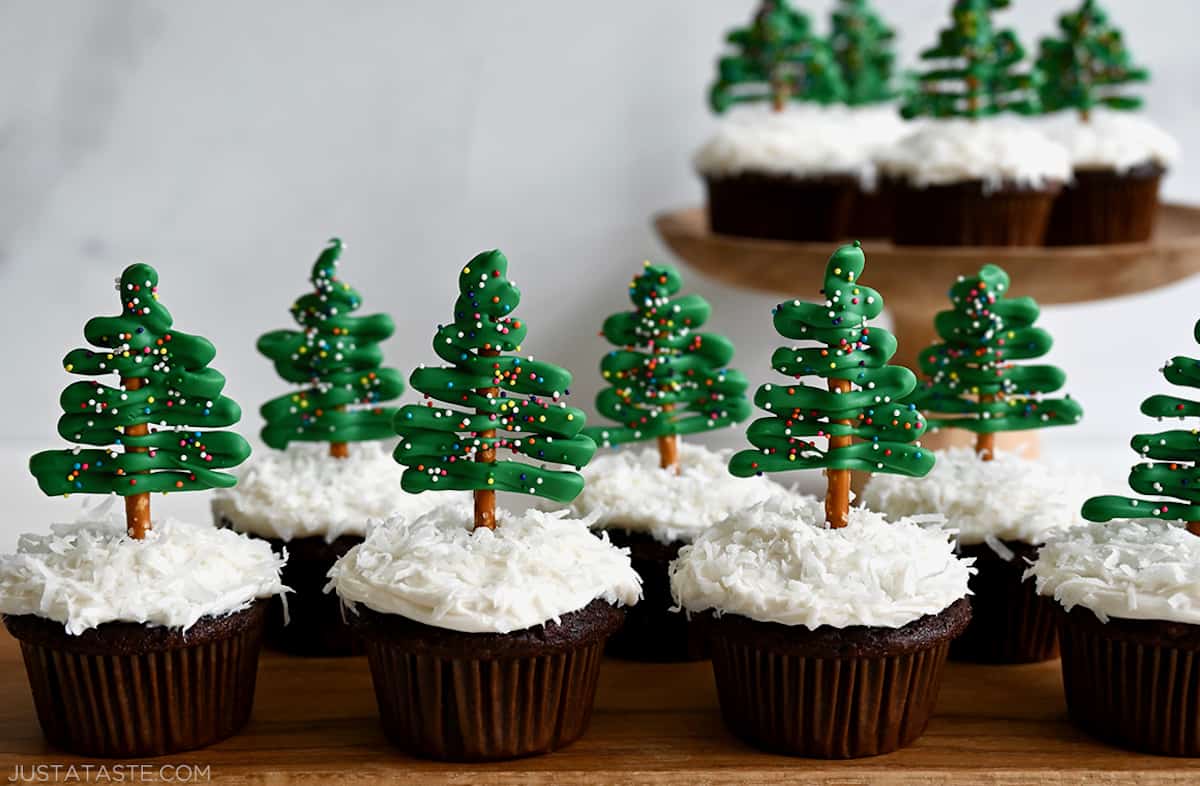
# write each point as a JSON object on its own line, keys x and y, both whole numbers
{"x": 912, "y": 276}
{"x": 315, "y": 720}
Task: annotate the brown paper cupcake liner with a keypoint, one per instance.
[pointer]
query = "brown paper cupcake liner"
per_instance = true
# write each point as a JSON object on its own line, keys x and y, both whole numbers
{"x": 479, "y": 696}
{"x": 125, "y": 690}
{"x": 831, "y": 693}
{"x": 1010, "y": 622}
{"x": 871, "y": 217}
{"x": 652, "y": 633}
{"x": 315, "y": 627}
{"x": 780, "y": 207}
{"x": 1133, "y": 683}
{"x": 1103, "y": 206}
{"x": 967, "y": 214}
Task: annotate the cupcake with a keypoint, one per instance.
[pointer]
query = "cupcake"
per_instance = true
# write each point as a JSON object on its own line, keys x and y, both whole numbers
{"x": 1119, "y": 159}
{"x": 829, "y": 627}
{"x": 484, "y": 628}
{"x": 666, "y": 379}
{"x": 1003, "y": 505}
{"x": 140, "y": 636}
{"x": 779, "y": 173}
{"x": 1128, "y": 593}
{"x": 328, "y": 472}
{"x": 966, "y": 177}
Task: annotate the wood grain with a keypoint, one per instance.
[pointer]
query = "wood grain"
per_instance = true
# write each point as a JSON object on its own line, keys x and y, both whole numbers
{"x": 315, "y": 722}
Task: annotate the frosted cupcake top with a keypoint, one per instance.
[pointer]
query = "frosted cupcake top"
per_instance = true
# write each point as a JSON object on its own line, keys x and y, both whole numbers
{"x": 532, "y": 569}
{"x": 303, "y": 492}
{"x": 997, "y": 151}
{"x": 628, "y": 490}
{"x": 1135, "y": 569}
{"x": 801, "y": 141}
{"x": 777, "y": 562}
{"x": 1112, "y": 140}
{"x": 1008, "y": 498}
{"x": 86, "y": 574}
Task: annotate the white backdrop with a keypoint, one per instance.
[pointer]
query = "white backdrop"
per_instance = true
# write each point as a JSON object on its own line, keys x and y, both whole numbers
{"x": 223, "y": 142}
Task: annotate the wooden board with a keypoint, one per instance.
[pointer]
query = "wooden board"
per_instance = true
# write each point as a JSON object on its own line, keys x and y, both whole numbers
{"x": 315, "y": 723}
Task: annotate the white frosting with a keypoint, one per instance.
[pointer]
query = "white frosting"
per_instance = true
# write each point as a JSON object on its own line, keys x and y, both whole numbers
{"x": 628, "y": 490}
{"x": 533, "y": 568}
{"x": 1008, "y": 498}
{"x": 90, "y": 573}
{"x": 304, "y": 492}
{"x": 1112, "y": 140}
{"x": 778, "y": 562}
{"x": 1142, "y": 569}
{"x": 805, "y": 140}
{"x": 996, "y": 151}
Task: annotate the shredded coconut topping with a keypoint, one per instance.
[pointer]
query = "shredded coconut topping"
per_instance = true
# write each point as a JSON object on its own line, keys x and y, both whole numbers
{"x": 778, "y": 562}
{"x": 533, "y": 568}
{"x": 1008, "y": 498}
{"x": 1140, "y": 569}
{"x": 628, "y": 490}
{"x": 996, "y": 151}
{"x": 304, "y": 492}
{"x": 801, "y": 141}
{"x": 1112, "y": 140}
{"x": 89, "y": 573}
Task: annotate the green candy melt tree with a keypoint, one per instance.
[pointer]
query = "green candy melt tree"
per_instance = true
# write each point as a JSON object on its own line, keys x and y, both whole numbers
{"x": 666, "y": 379}
{"x": 863, "y": 401}
{"x": 336, "y": 357}
{"x": 777, "y": 59}
{"x": 1088, "y": 65}
{"x": 511, "y": 402}
{"x": 152, "y": 432}
{"x": 863, "y": 47}
{"x": 975, "y": 69}
{"x": 1174, "y": 455}
{"x": 973, "y": 383}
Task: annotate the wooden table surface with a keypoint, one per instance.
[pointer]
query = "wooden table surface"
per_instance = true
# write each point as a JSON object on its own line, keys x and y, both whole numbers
{"x": 315, "y": 722}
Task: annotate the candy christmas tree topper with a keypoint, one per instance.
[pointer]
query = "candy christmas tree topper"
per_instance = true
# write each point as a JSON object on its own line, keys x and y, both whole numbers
{"x": 863, "y": 401}
{"x": 152, "y": 432}
{"x": 499, "y": 401}
{"x": 974, "y": 69}
{"x": 1172, "y": 456}
{"x": 973, "y": 383}
{"x": 777, "y": 59}
{"x": 862, "y": 45}
{"x": 335, "y": 356}
{"x": 1088, "y": 65}
{"x": 666, "y": 378}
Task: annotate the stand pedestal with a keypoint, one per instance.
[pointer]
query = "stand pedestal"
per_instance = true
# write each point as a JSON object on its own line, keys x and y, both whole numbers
{"x": 914, "y": 279}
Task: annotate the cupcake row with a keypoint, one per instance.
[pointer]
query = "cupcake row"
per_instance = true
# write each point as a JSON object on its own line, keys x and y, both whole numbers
{"x": 821, "y": 150}
{"x": 828, "y": 623}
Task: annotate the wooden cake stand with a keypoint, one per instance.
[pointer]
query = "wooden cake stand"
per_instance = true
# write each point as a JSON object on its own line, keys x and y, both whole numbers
{"x": 914, "y": 279}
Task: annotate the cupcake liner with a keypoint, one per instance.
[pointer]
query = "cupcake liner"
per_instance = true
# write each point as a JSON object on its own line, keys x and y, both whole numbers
{"x": 315, "y": 626}
{"x": 871, "y": 216}
{"x": 124, "y": 690}
{"x": 1133, "y": 683}
{"x": 967, "y": 214}
{"x": 652, "y": 633}
{"x": 780, "y": 207}
{"x": 1010, "y": 622}
{"x": 1104, "y": 206}
{"x": 831, "y": 693}
{"x": 483, "y": 697}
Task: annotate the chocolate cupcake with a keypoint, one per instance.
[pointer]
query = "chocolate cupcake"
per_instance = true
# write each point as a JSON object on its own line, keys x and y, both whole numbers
{"x": 1128, "y": 613}
{"x": 1119, "y": 161}
{"x": 805, "y": 174}
{"x": 484, "y": 645}
{"x": 1003, "y": 510}
{"x": 139, "y": 647}
{"x": 973, "y": 183}
{"x": 824, "y": 641}
{"x": 654, "y": 512}
{"x": 314, "y": 508}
